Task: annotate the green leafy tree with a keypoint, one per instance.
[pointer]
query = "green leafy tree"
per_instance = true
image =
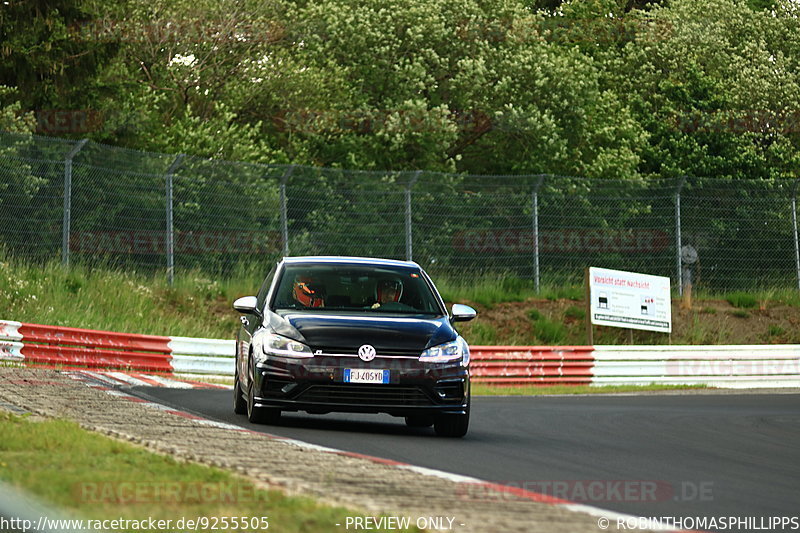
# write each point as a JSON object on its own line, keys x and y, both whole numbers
{"x": 47, "y": 53}
{"x": 12, "y": 117}
{"x": 178, "y": 59}
{"x": 455, "y": 85}
{"x": 718, "y": 92}
{"x": 18, "y": 182}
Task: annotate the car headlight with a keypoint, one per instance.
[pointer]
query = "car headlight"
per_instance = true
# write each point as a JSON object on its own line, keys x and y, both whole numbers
{"x": 273, "y": 344}
{"x": 447, "y": 352}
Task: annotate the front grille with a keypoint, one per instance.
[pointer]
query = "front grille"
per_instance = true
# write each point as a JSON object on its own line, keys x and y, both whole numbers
{"x": 381, "y": 352}
{"x": 357, "y": 393}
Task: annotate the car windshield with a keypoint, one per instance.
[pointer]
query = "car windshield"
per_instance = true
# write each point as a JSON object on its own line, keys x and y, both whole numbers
{"x": 355, "y": 288}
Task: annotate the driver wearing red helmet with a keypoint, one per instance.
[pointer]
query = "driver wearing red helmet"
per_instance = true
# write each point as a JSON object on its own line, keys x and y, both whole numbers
{"x": 387, "y": 291}
{"x": 307, "y": 293}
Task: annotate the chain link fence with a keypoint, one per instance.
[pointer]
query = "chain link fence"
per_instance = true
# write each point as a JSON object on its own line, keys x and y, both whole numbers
{"x": 86, "y": 202}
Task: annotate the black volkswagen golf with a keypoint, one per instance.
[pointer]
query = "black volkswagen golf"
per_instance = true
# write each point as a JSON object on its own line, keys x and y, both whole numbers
{"x": 348, "y": 334}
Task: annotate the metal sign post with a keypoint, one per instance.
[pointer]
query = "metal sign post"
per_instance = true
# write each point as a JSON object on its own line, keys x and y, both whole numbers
{"x": 67, "y": 224}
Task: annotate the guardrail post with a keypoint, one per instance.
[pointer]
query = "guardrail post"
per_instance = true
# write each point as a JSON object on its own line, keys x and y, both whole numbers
{"x": 794, "y": 232}
{"x": 409, "y": 186}
{"x": 285, "y": 211}
{"x": 535, "y": 210}
{"x": 678, "y": 244}
{"x": 65, "y": 228}
{"x": 170, "y": 226}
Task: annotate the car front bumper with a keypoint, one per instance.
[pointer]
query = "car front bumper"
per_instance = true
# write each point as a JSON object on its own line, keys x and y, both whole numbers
{"x": 317, "y": 385}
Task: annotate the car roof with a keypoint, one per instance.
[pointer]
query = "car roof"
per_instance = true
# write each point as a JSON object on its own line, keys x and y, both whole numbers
{"x": 329, "y": 259}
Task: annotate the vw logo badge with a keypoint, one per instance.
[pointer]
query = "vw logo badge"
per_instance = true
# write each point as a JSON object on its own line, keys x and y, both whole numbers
{"x": 366, "y": 353}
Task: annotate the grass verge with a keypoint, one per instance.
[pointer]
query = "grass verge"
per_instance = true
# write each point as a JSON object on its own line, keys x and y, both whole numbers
{"x": 91, "y": 476}
{"x": 492, "y": 291}
{"x": 197, "y": 305}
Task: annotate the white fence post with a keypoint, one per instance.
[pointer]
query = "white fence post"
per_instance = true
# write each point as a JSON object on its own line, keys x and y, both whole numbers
{"x": 170, "y": 224}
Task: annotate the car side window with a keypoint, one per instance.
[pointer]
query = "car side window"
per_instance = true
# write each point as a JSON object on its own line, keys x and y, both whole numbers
{"x": 264, "y": 290}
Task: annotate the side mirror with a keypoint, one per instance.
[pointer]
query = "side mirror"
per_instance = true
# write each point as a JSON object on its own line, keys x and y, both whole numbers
{"x": 463, "y": 313}
{"x": 247, "y": 305}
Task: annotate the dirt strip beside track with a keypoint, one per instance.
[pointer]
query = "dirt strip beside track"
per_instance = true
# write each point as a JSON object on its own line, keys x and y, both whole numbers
{"x": 364, "y": 485}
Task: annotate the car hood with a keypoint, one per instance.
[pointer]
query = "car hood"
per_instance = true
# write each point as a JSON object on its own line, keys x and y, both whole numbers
{"x": 390, "y": 335}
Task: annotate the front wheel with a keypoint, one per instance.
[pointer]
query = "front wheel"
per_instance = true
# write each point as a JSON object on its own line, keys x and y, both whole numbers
{"x": 451, "y": 425}
{"x": 239, "y": 403}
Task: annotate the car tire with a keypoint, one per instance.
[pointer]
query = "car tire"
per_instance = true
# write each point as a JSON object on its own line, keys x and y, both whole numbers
{"x": 451, "y": 425}
{"x": 239, "y": 402}
{"x": 259, "y": 415}
{"x": 420, "y": 421}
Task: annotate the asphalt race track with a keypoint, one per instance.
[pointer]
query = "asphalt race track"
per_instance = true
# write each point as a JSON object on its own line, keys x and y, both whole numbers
{"x": 714, "y": 455}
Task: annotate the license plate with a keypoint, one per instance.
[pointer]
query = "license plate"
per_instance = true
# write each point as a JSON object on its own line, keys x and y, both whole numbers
{"x": 362, "y": 375}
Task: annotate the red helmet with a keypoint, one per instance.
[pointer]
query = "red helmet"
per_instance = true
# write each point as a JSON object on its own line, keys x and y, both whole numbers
{"x": 389, "y": 290}
{"x": 306, "y": 293}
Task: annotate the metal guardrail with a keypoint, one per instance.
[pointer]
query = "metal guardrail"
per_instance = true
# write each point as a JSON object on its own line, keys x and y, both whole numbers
{"x": 543, "y": 365}
{"x": 63, "y": 346}
{"x": 742, "y": 366}
{"x": 737, "y": 366}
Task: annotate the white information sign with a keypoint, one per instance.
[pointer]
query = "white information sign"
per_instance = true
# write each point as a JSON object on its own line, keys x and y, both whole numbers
{"x": 630, "y": 300}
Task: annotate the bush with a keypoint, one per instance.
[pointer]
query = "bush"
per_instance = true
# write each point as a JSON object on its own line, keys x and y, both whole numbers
{"x": 742, "y": 299}
{"x": 534, "y": 314}
{"x": 549, "y": 332}
{"x": 775, "y": 330}
{"x": 575, "y": 313}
